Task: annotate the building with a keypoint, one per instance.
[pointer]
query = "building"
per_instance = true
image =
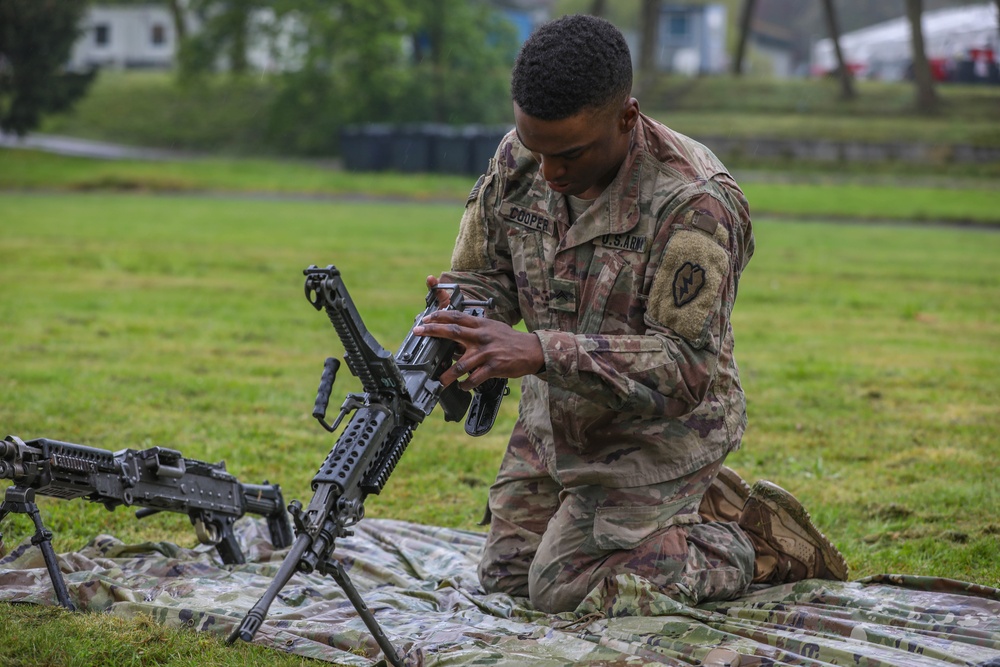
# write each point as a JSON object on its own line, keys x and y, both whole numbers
{"x": 961, "y": 44}
{"x": 525, "y": 15}
{"x": 120, "y": 37}
{"x": 692, "y": 39}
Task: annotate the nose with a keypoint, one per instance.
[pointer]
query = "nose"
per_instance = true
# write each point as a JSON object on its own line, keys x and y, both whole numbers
{"x": 552, "y": 168}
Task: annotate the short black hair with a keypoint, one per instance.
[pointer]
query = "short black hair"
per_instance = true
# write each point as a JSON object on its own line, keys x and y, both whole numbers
{"x": 570, "y": 64}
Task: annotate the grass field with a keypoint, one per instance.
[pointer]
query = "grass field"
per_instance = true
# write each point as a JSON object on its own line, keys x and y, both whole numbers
{"x": 870, "y": 354}
{"x": 788, "y": 194}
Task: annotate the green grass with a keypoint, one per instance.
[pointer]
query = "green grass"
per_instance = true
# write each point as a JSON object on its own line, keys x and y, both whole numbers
{"x": 27, "y": 170}
{"x": 809, "y": 195}
{"x": 151, "y": 109}
{"x": 53, "y": 637}
{"x": 870, "y": 355}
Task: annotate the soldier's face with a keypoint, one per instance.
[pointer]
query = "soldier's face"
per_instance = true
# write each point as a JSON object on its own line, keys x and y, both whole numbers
{"x": 579, "y": 155}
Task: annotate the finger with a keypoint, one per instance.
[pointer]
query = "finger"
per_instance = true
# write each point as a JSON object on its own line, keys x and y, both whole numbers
{"x": 453, "y": 317}
{"x": 442, "y": 297}
{"x": 448, "y": 331}
{"x": 467, "y": 365}
{"x": 471, "y": 382}
{"x": 478, "y": 376}
{"x": 453, "y": 373}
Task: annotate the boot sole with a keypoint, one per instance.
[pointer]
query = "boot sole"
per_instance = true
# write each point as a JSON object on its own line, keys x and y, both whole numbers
{"x": 832, "y": 558}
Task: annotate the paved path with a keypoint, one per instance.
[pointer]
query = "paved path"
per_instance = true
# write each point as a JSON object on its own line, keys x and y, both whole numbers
{"x": 86, "y": 148}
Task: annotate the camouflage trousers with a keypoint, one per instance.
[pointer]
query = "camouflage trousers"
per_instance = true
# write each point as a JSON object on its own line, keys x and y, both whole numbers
{"x": 554, "y": 544}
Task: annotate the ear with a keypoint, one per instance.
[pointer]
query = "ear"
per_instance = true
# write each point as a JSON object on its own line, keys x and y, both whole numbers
{"x": 629, "y": 115}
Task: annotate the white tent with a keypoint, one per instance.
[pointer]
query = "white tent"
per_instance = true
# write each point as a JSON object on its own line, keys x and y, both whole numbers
{"x": 883, "y": 50}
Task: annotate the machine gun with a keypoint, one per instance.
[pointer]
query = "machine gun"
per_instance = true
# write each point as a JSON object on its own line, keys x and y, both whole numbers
{"x": 155, "y": 479}
{"x": 399, "y": 392}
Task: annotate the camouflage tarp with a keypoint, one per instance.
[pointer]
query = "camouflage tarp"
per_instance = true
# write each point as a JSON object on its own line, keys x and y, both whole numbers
{"x": 421, "y": 584}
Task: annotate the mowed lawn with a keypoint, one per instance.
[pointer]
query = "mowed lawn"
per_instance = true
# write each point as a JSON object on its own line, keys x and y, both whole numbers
{"x": 870, "y": 355}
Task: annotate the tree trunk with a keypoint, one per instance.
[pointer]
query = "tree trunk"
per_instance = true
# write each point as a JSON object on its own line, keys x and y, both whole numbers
{"x": 650, "y": 32}
{"x": 240, "y": 25}
{"x": 926, "y": 96}
{"x": 843, "y": 71}
{"x": 436, "y": 34}
{"x": 599, "y": 7}
{"x": 746, "y": 19}
{"x": 180, "y": 20}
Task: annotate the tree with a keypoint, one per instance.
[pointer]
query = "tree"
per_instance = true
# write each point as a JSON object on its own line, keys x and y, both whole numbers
{"x": 843, "y": 71}
{"x": 650, "y": 26}
{"x": 179, "y": 16}
{"x": 927, "y": 100}
{"x": 224, "y": 35}
{"x": 36, "y": 37}
{"x": 389, "y": 61}
{"x": 746, "y": 20}
{"x": 468, "y": 57}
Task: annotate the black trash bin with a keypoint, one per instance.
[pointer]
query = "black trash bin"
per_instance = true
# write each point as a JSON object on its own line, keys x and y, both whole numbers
{"x": 452, "y": 150}
{"x": 485, "y": 139}
{"x": 366, "y": 147}
{"x": 412, "y": 149}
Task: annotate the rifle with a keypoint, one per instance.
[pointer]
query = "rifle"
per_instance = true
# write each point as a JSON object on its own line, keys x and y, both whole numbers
{"x": 399, "y": 392}
{"x": 155, "y": 479}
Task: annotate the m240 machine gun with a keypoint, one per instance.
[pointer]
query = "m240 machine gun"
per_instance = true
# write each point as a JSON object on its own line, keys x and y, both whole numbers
{"x": 399, "y": 392}
{"x": 155, "y": 479}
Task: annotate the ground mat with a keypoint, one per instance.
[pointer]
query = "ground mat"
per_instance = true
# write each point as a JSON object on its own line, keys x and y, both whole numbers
{"x": 421, "y": 584}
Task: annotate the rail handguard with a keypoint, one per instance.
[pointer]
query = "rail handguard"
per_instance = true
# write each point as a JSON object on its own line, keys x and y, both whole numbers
{"x": 399, "y": 392}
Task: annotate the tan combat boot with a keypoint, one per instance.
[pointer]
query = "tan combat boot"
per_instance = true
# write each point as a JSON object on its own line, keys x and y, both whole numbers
{"x": 724, "y": 499}
{"x": 789, "y": 547}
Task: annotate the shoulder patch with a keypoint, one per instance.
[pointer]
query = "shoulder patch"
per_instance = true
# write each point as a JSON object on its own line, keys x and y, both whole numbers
{"x": 471, "y": 248}
{"x": 686, "y": 288}
{"x": 475, "y": 190}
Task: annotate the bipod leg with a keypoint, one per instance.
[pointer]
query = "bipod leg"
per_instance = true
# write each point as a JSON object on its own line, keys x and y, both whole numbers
{"x": 336, "y": 570}
{"x": 22, "y": 501}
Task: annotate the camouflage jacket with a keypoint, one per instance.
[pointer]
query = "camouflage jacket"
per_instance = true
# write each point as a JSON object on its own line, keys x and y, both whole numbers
{"x": 631, "y": 304}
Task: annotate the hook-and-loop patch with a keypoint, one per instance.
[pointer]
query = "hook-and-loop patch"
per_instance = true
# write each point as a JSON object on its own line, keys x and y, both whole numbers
{"x": 685, "y": 292}
{"x": 471, "y": 251}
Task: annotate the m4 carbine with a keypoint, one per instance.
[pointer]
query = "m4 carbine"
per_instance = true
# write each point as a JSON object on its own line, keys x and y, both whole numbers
{"x": 399, "y": 392}
{"x": 155, "y": 479}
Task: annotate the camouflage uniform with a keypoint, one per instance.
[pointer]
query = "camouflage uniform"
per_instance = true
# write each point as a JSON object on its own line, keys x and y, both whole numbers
{"x": 639, "y": 401}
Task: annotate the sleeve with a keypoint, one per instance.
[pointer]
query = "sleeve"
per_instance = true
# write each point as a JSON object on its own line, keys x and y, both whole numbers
{"x": 480, "y": 261}
{"x": 697, "y": 255}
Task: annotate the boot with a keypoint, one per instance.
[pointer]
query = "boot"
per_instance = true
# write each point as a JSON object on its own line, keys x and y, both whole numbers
{"x": 724, "y": 499}
{"x": 789, "y": 547}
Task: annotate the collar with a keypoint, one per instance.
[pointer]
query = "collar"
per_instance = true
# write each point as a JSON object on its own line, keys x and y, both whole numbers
{"x": 616, "y": 210}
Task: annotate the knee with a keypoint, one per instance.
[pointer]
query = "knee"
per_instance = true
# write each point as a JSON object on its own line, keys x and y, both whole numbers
{"x": 553, "y": 589}
{"x": 495, "y": 576}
